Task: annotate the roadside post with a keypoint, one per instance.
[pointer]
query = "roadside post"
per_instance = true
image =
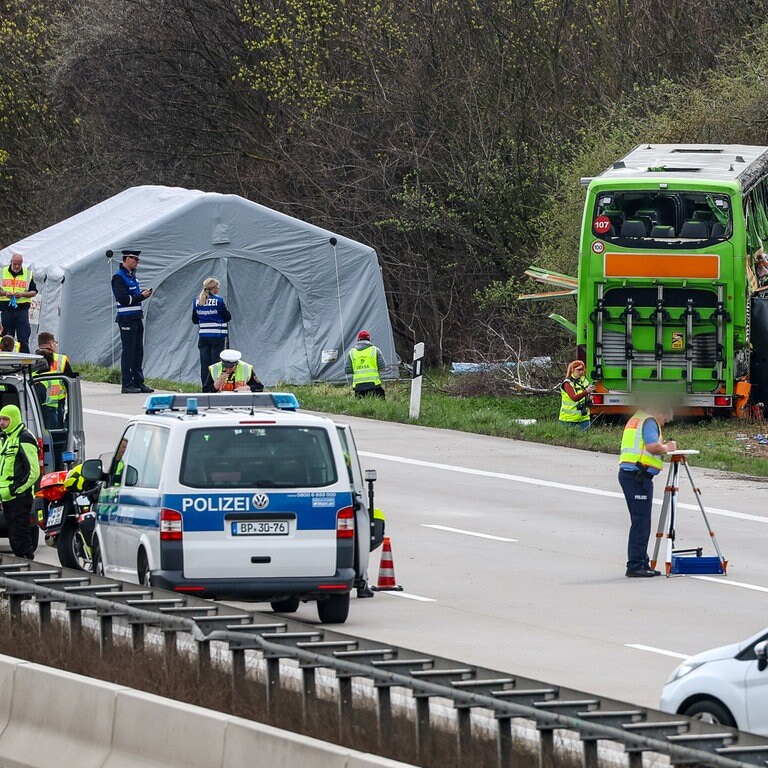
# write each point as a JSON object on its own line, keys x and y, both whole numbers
{"x": 418, "y": 370}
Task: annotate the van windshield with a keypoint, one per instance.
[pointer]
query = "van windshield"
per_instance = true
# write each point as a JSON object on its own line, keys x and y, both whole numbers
{"x": 245, "y": 456}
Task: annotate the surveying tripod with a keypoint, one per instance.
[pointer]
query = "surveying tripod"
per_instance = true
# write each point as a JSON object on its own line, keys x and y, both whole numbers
{"x": 669, "y": 507}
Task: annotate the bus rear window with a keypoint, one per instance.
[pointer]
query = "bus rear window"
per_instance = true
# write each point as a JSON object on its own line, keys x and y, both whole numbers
{"x": 243, "y": 456}
{"x": 661, "y": 219}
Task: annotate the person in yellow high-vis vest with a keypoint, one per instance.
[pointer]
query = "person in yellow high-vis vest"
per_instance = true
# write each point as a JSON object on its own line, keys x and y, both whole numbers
{"x": 365, "y": 364}
{"x": 17, "y": 289}
{"x": 232, "y": 374}
{"x": 574, "y": 397}
{"x": 642, "y": 449}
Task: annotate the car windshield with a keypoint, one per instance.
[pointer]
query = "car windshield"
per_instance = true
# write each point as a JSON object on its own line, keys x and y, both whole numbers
{"x": 245, "y": 456}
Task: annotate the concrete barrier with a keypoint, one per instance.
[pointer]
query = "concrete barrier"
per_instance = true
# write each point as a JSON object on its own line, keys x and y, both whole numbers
{"x": 55, "y": 719}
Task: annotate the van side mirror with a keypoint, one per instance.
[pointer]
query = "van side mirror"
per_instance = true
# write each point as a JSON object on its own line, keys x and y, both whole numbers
{"x": 92, "y": 470}
{"x": 761, "y": 651}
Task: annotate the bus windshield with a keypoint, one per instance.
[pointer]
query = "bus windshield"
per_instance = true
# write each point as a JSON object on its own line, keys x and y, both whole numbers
{"x": 661, "y": 219}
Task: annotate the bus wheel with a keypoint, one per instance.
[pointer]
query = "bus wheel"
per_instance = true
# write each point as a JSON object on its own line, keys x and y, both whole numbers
{"x": 334, "y": 609}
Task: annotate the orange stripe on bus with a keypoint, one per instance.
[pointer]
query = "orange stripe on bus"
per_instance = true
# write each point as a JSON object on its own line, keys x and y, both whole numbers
{"x": 706, "y": 265}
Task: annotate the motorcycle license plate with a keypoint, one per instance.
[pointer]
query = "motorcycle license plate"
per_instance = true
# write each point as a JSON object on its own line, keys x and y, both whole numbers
{"x": 55, "y": 515}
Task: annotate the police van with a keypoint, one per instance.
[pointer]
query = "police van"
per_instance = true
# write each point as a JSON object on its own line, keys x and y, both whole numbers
{"x": 236, "y": 495}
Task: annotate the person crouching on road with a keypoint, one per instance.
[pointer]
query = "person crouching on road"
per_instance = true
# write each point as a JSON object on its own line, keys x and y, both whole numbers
{"x": 642, "y": 448}
{"x": 19, "y": 470}
{"x": 232, "y": 374}
{"x": 574, "y": 397}
{"x": 365, "y": 363}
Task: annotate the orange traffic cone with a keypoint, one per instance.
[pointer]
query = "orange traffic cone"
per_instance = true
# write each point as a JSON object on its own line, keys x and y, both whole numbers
{"x": 387, "y": 581}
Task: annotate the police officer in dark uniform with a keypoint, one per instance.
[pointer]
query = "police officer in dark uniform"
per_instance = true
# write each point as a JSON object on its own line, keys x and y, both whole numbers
{"x": 128, "y": 295}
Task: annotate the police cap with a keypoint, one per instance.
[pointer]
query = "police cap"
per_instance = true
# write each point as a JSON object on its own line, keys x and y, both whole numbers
{"x": 229, "y": 357}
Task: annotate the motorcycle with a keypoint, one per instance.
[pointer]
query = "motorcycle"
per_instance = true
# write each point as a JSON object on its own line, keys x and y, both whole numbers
{"x": 67, "y": 519}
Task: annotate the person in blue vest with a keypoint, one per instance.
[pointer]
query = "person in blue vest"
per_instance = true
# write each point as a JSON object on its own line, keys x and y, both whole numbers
{"x": 130, "y": 319}
{"x": 17, "y": 289}
{"x": 365, "y": 364}
{"x": 210, "y": 315}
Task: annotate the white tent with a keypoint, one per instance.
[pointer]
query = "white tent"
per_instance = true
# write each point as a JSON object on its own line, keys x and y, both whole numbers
{"x": 298, "y": 294}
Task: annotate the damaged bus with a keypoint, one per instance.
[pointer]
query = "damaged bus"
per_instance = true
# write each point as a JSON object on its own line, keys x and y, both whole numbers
{"x": 672, "y": 286}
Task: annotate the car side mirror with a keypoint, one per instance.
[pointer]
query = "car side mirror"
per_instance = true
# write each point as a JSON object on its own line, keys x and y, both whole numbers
{"x": 92, "y": 470}
{"x": 761, "y": 651}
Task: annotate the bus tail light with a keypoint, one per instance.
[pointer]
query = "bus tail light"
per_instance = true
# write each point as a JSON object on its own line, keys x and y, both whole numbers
{"x": 170, "y": 525}
{"x": 345, "y": 523}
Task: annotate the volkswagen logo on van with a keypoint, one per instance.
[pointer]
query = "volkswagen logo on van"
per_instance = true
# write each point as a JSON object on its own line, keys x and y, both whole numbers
{"x": 260, "y": 500}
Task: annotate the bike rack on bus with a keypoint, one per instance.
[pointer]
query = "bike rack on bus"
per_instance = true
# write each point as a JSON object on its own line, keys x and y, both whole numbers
{"x": 690, "y": 314}
{"x": 629, "y": 347}
{"x": 659, "y": 317}
{"x": 721, "y": 315}
{"x": 599, "y": 316}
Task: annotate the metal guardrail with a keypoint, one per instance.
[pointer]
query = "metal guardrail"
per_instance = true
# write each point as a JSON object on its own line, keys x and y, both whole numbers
{"x": 549, "y": 708}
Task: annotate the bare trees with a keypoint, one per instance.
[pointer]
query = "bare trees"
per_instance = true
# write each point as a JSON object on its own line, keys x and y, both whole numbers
{"x": 442, "y": 132}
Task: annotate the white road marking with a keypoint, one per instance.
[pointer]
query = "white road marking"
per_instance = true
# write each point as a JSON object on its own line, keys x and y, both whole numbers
{"x": 106, "y": 413}
{"x": 652, "y": 649}
{"x": 729, "y": 583}
{"x": 408, "y": 596}
{"x": 466, "y": 533}
{"x": 553, "y": 484}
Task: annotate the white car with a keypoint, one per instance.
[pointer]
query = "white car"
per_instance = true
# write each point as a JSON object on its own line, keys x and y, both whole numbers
{"x": 726, "y": 685}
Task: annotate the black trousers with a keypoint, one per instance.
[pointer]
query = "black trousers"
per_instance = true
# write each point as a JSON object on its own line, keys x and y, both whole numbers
{"x": 132, "y": 357}
{"x": 638, "y": 493}
{"x": 375, "y": 390}
{"x": 17, "y": 517}
{"x": 16, "y": 323}
{"x": 210, "y": 348}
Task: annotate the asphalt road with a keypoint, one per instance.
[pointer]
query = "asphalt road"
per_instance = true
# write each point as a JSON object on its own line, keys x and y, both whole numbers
{"x": 511, "y": 556}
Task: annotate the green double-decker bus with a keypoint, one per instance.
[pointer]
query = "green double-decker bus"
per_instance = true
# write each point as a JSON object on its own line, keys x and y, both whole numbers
{"x": 670, "y": 282}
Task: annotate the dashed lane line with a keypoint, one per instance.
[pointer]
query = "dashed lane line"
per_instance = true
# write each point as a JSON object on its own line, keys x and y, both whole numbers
{"x": 653, "y": 649}
{"x": 466, "y": 533}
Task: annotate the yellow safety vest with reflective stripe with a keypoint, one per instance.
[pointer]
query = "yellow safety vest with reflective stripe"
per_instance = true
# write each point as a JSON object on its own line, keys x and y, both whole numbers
{"x": 14, "y": 284}
{"x": 239, "y": 378}
{"x": 365, "y": 366}
{"x": 57, "y": 391}
{"x": 633, "y": 448}
{"x": 569, "y": 409}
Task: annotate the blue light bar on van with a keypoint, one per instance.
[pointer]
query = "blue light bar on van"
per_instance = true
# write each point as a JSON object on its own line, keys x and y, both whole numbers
{"x": 285, "y": 401}
{"x": 157, "y": 403}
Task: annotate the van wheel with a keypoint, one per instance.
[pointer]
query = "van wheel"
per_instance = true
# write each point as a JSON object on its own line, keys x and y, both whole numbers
{"x": 334, "y": 609}
{"x": 97, "y": 564}
{"x": 289, "y": 605}
{"x": 145, "y": 578}
{"x": 710, "y": 711}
